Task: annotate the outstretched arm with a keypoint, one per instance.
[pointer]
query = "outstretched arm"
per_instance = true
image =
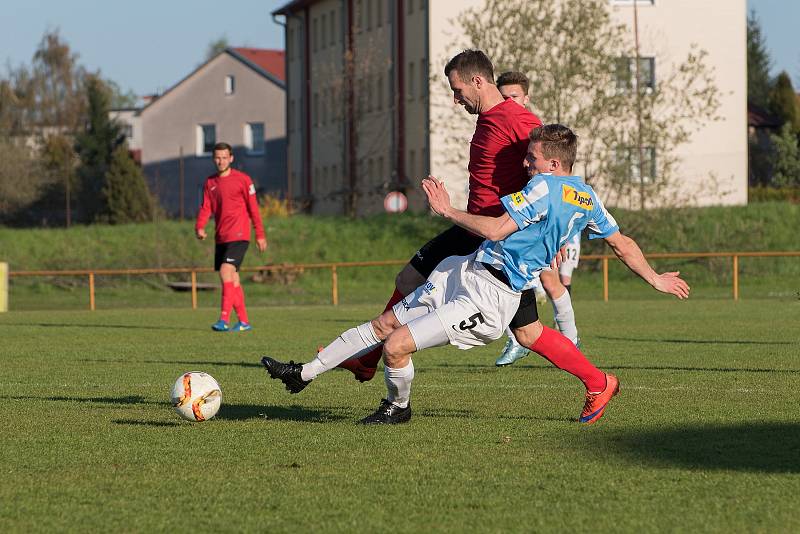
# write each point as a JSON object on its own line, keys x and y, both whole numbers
{"x": 492, "y": 228}
{"x": 631, "y": 255}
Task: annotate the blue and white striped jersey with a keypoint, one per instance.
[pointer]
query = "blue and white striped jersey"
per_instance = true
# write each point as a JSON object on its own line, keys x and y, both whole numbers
{"x": 549, "y": 211}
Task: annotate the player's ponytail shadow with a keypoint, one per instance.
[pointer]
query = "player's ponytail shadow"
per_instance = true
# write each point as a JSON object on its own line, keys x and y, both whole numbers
{"x": 769, "y": 447}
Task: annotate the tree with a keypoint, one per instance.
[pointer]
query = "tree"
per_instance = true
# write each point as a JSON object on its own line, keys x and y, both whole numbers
{"x": 783, "y": 102}
{"x": 581, "y": 69}
{"x": 786, "y": 160}
{"x": 216, "y": 47}
{"x": 125, "y": 191}
{"x": 95, "y": 147}
{"x": 758, "y": 64}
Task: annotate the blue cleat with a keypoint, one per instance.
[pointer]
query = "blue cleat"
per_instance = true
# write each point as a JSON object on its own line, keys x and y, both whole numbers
{"x": 241, "y": 327}
{"x": 220, "y": 326}
{"x": 511, "y": 353}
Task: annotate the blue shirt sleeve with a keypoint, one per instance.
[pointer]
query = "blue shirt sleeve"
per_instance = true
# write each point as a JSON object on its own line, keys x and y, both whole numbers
{"x": 601, "y": 222}
{"x": 529, "y": 205}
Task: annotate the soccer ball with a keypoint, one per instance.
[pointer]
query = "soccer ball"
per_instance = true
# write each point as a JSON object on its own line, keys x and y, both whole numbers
{"x": 196, "y": 396}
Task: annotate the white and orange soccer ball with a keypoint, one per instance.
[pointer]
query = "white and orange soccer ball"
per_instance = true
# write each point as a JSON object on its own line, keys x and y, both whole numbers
{"x": 196, "y": 396}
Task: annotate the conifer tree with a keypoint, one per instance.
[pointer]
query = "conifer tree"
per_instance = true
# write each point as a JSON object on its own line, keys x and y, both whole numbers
{"x": 125, "y": 192}
{"x": 758, "y": 64}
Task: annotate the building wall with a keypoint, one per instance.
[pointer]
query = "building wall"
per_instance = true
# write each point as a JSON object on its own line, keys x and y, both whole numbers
{"x": 713, "y": 168}
{"x": 319, "y": 102}
{"x": 169, "y": 129}
{"x": 436, "y": 132}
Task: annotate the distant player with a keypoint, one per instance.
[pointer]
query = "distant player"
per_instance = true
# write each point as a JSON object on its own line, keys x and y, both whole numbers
{"x": 468, "y": 301}
{"x": 497, "y": 151}
{"x": 515, "y": 85}
{"x": 230, "y": 196}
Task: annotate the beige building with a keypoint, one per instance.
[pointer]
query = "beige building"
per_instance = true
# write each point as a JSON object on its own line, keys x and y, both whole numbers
{"x": 369, "y": 111}
{"x": 236, "y": 97}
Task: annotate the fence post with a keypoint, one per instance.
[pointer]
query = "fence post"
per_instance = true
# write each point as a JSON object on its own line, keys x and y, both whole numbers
{"x": 91, "y": 291}
{"x": 735, "y": 277}
{"x": 194, "y": 290}
{"x": 334, "y": 286}
{"x": 605, "y": 279}
{"x": 3, "y": 286}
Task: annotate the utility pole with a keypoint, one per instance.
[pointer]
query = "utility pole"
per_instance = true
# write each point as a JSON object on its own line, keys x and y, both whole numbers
{"x": 639, "y": 146}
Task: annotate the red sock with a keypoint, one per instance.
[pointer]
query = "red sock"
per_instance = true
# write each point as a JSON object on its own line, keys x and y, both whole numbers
{"x": 228, "y": 296}
{"x": 371, "y": 359}
{"x": 238, "y": 304}
{"x": 562, "y": 353}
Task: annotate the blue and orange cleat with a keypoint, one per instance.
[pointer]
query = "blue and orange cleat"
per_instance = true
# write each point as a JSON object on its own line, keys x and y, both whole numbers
{"x": 241, "y": 327}
{"x": 596, "y": 403}
{"x": 220, "y": 326}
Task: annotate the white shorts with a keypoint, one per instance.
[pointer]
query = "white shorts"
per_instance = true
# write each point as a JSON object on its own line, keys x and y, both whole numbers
{"x": 461, "y": 303}
{"x": 573, "y": 249}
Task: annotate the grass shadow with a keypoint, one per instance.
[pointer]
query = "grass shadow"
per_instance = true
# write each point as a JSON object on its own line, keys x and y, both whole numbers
{"x": 766, "y": 447}
{"x": 241, "y": 412}
{"x": 128, "y": 399}
{"x": 696, "y": 341}
{"x": 139, "y": 422}
{"x": 89, "y": 325}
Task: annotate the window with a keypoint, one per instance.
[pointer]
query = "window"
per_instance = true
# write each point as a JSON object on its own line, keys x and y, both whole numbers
{"x": 315, "y": 110}
{"x": 411, "y": 81}
{"x": 206, "y": 139}
{"x": 626, "y": 72}
{"x": 230, "y": 84}
{"x": 323, "y": 31}
{"x": 332, "y": 36}
{"x": 379, "y": 13}
{"x": 629, "y": 156}
{"x": 379, "y": 92}
{"x": 314, "y": 34}
{"x": 423, "y": 78}
{"x": 370, "y": 92}
{"x": 360, "y": 16}
{"x": 254, "y": 137}
{"x": 631, "y": 2}
{"x": 410, "y": 6}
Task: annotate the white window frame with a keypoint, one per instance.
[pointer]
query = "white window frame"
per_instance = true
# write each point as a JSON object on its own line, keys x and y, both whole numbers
{"x": 200, "y": 140}
{"x": 230, "y": 85}
{"x": 631, "y": 2}
{"x": 632, "y": 82}
{"x": 631, "y": 156}
{"x": 249, "y": 139}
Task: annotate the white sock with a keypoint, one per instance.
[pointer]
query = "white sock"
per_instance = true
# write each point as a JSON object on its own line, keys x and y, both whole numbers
{"x": 398, "y": 384}
{"x": 511, "y": 337}
{"x": 351, "y": 344}
{"x": 565, "y": 317}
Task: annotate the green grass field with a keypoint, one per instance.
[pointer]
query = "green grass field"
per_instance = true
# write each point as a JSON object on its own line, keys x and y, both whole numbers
{"x": 704, "y": 436}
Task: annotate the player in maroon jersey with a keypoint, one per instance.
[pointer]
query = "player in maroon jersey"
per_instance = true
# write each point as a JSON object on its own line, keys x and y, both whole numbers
{"x": 496, "y": 156}
{"x": 230, "y": 196}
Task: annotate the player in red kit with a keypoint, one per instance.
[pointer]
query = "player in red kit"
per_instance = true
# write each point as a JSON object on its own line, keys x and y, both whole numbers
{"x": 496, "y": 156}
{"x": 230, "y": 196}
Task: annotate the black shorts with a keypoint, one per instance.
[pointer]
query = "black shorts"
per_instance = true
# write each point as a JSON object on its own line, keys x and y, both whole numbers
{"x": 232, "y": 252}
{"x": 456, "y": 241}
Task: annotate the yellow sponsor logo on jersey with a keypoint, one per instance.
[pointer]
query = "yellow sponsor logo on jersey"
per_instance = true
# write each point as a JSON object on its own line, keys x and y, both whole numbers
{"x": 577, "y": 198}
{"x": 517, "y": 198}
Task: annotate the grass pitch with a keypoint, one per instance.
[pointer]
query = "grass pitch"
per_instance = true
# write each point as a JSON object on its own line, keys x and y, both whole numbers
{"x": 704, "y": 435}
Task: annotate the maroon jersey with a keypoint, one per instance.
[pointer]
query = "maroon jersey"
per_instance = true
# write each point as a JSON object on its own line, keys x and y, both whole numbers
{"x": 496, "y": 153}
{"x": 232, "y": 201}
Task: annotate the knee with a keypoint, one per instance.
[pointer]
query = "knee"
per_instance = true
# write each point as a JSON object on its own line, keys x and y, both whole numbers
{"x": 385, "y": 324}
{"x": 392, "y": 353}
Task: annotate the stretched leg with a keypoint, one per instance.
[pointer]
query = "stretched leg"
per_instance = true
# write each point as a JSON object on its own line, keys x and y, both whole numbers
{"x": 365, "y": 366}
{"x": 562, "y": 353}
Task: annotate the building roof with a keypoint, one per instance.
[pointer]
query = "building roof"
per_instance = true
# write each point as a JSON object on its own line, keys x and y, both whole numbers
{"x": 292, "y": 6}
{"x": 758, "y": 117}
{"x": 270, "y": 61}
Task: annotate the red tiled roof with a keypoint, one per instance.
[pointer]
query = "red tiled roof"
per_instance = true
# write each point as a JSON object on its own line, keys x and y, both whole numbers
{"x": 272, "y": 61}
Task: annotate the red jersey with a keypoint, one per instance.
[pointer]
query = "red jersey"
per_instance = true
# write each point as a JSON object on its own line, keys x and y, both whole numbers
{"x": 496, "y": 153}
{"x": 232, "y": 201}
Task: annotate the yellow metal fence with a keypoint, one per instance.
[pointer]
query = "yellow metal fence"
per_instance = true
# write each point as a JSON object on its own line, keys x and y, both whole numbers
{"x": 335, "y": 266}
